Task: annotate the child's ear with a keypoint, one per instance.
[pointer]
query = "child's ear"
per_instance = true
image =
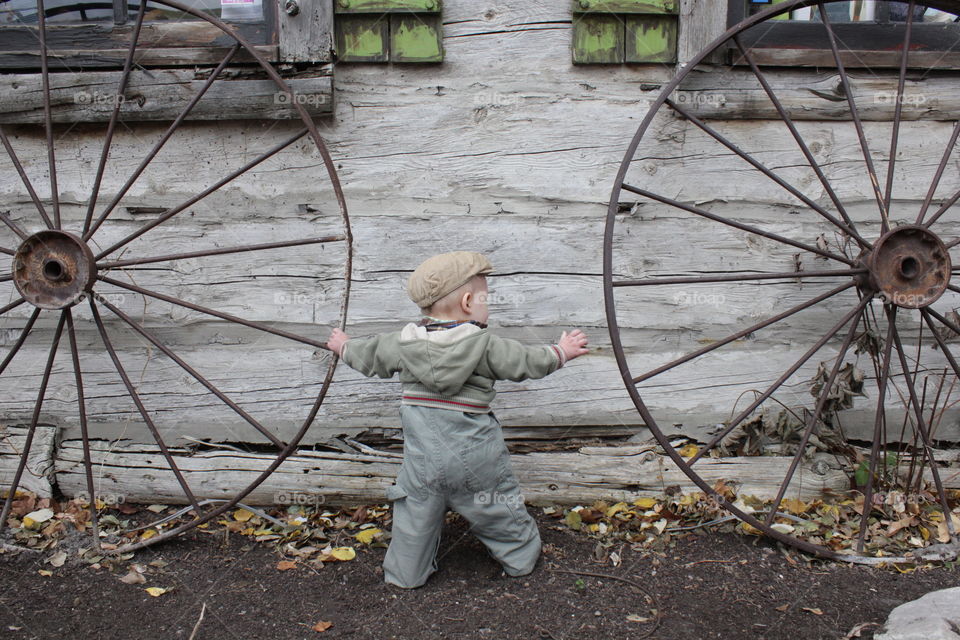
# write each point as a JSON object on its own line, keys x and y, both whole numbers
{"x": 466, "y": 302}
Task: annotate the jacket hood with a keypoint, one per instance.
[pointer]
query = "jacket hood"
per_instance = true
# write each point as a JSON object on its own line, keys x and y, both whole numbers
{"x": 442, "y": 361}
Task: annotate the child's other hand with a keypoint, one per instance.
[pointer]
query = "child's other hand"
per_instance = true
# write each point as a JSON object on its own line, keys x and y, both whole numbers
{"x": 336, "y": 341}
{"x": 574, "y": 344}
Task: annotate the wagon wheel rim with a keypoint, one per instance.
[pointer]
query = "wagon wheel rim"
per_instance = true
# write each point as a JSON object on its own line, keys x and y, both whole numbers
{"x": 55, "y": 269}
{"x": 878, "y": 269}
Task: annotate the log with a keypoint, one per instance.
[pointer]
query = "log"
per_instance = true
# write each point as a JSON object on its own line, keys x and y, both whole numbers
{"x": 38, "y": 473}
{"x": 159, "y": 94}
{"x": 137, "y": 473}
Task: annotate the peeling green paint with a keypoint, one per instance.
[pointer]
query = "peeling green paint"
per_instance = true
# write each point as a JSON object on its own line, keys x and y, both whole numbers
{"x": 362, "y": 38}
{"x": 597, "y": 39}
{"x": 387, "y": 6}
{"x": 626, "y": 6}
{"x": 415, "y": 39}
{"x": 651, "y": 39}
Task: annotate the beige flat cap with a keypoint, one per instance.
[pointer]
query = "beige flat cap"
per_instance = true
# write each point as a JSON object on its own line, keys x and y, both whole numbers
{"x": 441, "y": 274}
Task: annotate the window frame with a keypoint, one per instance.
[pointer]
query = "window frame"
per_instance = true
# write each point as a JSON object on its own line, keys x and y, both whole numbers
{"x": 302, "y": 47}
{"x": 805, "y": 44}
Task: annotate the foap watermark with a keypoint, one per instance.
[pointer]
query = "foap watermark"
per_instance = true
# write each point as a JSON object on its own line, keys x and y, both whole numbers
{"x": 307, "y": 99}
{"x": 891, "y": 97}
{"x": 116, "y": 299}
{"x": 298, "y": 498}
{"x": 98, "y": 98}
{"x": 496, "y": 99}
{"x": 512, "y": 299}
{"x": 495, "y": 497}
{"x": 696, "y": 298}
{"x": 109, "y": 499}
{"x": 296, "y": 298}
{"x": 701, "y": 99}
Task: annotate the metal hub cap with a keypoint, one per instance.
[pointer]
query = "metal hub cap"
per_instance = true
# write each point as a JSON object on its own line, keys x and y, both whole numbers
{"x": 910, "y": 267}
{"x": 53, "y": 269}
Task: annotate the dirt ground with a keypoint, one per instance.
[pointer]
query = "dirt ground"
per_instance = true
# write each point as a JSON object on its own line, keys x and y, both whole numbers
{"x": 225, "y": 586}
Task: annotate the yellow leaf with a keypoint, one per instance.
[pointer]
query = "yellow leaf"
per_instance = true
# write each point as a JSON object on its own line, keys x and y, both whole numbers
{"x": 794, "y": 506}
{"x": 45, "y": 573}
{"x": 367, "y": 535}
{"x": 749, "y": 528}
{"x": 156, "y": 592}
{"x": 816, "y": 612}
{"x": 689, "y": 450}
{"x": 645, "y": 503}
{"x": 29, "y": 523}
{"x": 286, "y": 565}
{"x": 322, "y": 626}
{"x": 242, "y": 515}
{"x": 343, "y": 553}
{"x": 594, "y": 528}
{"x": 149, "y": 533}
{"x": 263, "y": 532}
{"x": 620, "y": 506}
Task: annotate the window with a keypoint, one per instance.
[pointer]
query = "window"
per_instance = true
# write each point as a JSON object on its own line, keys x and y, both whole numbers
{"x": 88, "y": 43}
{"x": 871, "y": 33}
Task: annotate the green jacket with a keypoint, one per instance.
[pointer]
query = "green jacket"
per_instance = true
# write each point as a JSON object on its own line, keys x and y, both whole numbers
{"x": 450, "y": 369}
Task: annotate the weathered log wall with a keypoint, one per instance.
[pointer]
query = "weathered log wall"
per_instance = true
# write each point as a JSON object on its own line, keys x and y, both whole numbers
{"x": 504, "y": 148}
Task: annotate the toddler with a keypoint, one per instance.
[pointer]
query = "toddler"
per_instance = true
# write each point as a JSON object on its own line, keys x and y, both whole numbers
{"x": 454, "y": 455}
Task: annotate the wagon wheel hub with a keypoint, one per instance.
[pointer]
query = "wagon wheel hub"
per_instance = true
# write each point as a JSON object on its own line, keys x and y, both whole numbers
{"x": 909, "y": 267}
{"x": 53, "y": 269}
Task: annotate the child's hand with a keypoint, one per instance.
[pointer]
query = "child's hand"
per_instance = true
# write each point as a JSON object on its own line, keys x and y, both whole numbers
{"x": 336, "y": 341}
{"x": 574, "y": 344}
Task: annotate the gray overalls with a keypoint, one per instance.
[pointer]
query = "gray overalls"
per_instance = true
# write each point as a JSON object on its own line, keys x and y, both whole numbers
{"x": 454, "y": 456}
{"x": 455, "y": 460}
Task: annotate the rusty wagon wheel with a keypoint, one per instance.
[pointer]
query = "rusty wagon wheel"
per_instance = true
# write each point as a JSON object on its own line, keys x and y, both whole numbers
{"x": 74, "y": 263}
{"x": 847, "y": 249}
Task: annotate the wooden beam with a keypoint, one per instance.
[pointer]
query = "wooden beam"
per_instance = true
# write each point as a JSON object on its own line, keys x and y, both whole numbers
{"x": 700, "y": 24}
{"x": 307, "y": 36}
{"x": 137, "y": 473}
{"x": 71, "y": 59}
{"x": 158, "y": 95}
{"x": 806, "y": 96}
{"x": 38, "y": 473}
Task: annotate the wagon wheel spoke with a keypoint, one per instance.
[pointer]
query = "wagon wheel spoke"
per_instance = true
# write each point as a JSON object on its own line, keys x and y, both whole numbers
{"x": 218, "y": 252}
{"x": 762, "y": 79}
{"x": 855, "y": 115}
{"x": 740, "y": 334}
{"x": 716, "y": 135}
{"x": 47, "y": 118}
{"x": 880, "y": 419}
{"x": 947, "y": 152}
{"x": 217, "y": 314}
{"x": 9, "y": 252}
{"x": 921, "y": 427}
{"x": 132, "y": 392}
{"x": 855, "y": 314}
{"x": 199, "y": 378}
{"x": 898, "y": 108}
{"x": 13, "y": 226}
{"x": 816, "y": 416}
{"x": 749, "y": 277}
{"x": 6, "y": 278}
{"x": 28, "y": 443}
{"x": 13, "y": 305}
{"x": 737, "y": 225}
{"x": 112, "y": 124}
{"x": 23, "y": 178}
{"x": 19, "y": 343}
{"x": 200, "y": 196}
{"x": 942, "y": 210}
{"x": 84, "y": 433}
{"x": 89, "y": 229}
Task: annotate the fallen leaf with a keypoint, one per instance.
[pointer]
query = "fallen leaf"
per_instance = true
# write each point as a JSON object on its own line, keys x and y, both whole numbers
{"x": 133, "y": 577}
{"x": 156, "y": 592}
{"x": 157, "y": 508}
{"x": 573, "y": 520}
{"x": 343, "y": 553}
{"x": 45, "y": 573}
{"x": 322, "y": 626}
{"x": 367, "y": 535}
{"x": 286, "y": 565}
{"x": 645, "y": 503}
{"x": 782, "y": 607}
{"x": 242, "y": 515}
{"x": 620, "y": 506}
{"x": 689, "y": 450}
{"x": 58, "y": 559}
{"x": 636, "y": 618}
{"x": 149, "y": 533}
{"x": 816, "y": 612}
